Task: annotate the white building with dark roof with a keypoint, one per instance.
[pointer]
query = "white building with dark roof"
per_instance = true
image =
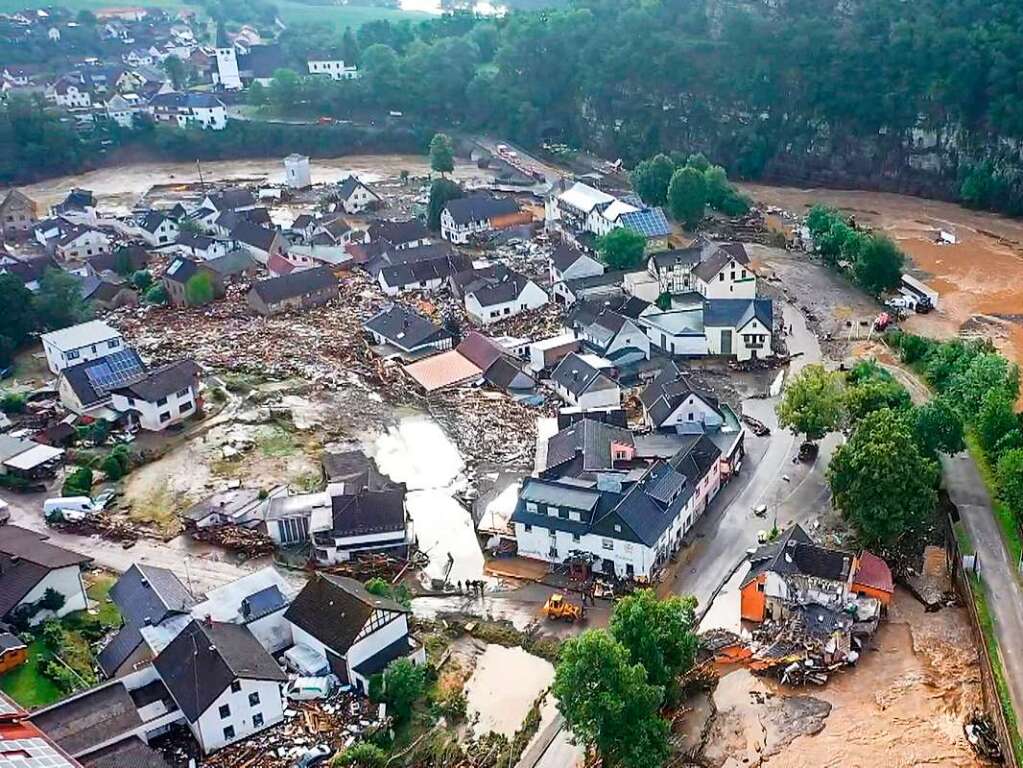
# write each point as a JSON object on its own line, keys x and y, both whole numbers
{"x": 30, "y": 568}
{"x": 79, "y": 343}
{"x": 580, "y": 380}
{"x": 161, "y": 397}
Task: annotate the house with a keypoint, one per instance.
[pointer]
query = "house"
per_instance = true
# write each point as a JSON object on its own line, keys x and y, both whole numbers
{"x": 408, "y": 332}
{"x": 495, "y": 293}
{"x": 739, "y": 327}
{"x": 18, "y": 214}
{"x": 614, "y": 337}
{"x": 225, "y": 683}
{"x": 466, "y": 217}
{"x": 70, "y": 95}
{"x": 296, "y": 172}
{"x": 236, "y": 506}
{"x": 726, "y": 274}
{"x": 410, "y": 233}
{"x": 355, "y": 196}
{"x": 330, "y": 65}
{"x": 125, "y": 260}
{"x": 32, "y": 570}
{"x": 607, "y": 286}
{"x": 108, "y": 291}
{"x": 545, "y": 354}
{"x": 13, "y": 652}
{"x": 147, "y": 597}
{"x": 256, "y": 601}
{"x": 85, "y": 388}
{"x": 873, "y": 578}
{"x": 261, "y": 242}
{"x": 163, "y": 397}
{"x": 202, "y": 247}
{"x": 227, "y": 74}
{"x": 29, "y": 271}
{"x": 176, "y": 277}
{"x": 362, "y": 520}
{"x": 230, "y": 199}
{"x": 569, "y": 263}
{"x": 79, "y": 343}
{"x": 671, "y": 402}
{"x": 157, "y": 229}
{"x": 348, "y": 631}
{"x": 580, "y": 381}
{"x": 77, "y": 242}
{"x": 793, "y": 571}
{"x": 299, "y": 290}
{"x": 26, "y": 459}
{"x": 628, "y": 527}
{"x": 122, "y": 108}
{"x": 422, "y": 268}
{"x": 77, "y": 201}
{"x": 189, "y": 110}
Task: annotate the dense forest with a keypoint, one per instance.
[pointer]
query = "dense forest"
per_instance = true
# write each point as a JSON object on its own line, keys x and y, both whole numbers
{"x": 923, "y": 97}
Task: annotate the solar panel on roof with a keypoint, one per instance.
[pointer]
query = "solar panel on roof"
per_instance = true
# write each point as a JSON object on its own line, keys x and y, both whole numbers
{"x": 174, "y": 267}
{"x": 649, "y": 222}
{"x": 114, "y": 370}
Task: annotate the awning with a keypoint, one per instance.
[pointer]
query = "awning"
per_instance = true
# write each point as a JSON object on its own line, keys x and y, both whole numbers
{"x": 34, "y": 457}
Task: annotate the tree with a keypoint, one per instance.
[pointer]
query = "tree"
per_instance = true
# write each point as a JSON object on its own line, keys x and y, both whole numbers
{"x": 52, "y": 600}
{"x": 60, "y": 301}
{"x": 608, "y": 703}
{"x": 441, "y": 191}
{"x": 718, "y": 188}
{"x": 878, "y": 266}
{"x": 363, "y": 755}
{"x": 687, "y": 196}
{"x": 939, "y": 427}
{"x": 651, "y": 178}
{"x": 349, "y": 48}
{"x": 975, "y": 375}
{"x": 199, "y": 289}
{"x": 18, "y": 309}
{"x": 995, "y": 419}
{"x": 157, "y": 294}
{"x": 397, "y": 592}
{"x": 175, "y": 69}
{"x": 13, "y": 402}
{"x": 442, "y": 154}
{"x": 621, "y": 248}
{"x": 1009, "y": 474}
{"x": 256, "y": 95}
{"x": 142, "y": 280}
{"x": 869, "y": 396}
{"x": 698, "y": 161}
{"x": 813, "y": 403}
{"x": 404, "y": 684}
{"x": 112, "y": 468}
{"x": 882, "y": 482}
{"x": 78, "y": 483}
{"x": 381, "y": 74}
{"x": 658, "y": 634}
{"x": 283, "y": 89}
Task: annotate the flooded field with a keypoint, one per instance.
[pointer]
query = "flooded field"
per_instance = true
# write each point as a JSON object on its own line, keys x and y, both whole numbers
{"x": 503, "y": 687}
{"x": 418, "y": 453}
{"x": 980, "y": 278}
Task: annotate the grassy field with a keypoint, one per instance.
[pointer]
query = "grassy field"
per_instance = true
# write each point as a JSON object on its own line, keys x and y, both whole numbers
{"x": 27, "y": 685}
{"x": 291, "y": 11}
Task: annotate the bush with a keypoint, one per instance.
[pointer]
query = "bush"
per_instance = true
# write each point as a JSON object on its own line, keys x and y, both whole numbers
{"x": 122, "y": 453}
{"x": 112, "y": 468}
{"x": 78, "y": 483}
{"x": 362, "y": 755}
{"x": 199, "y": 289}
{"x": 157, "y": 294}
{"x": 13, "y": 402}
{"x": 142, "y": 280}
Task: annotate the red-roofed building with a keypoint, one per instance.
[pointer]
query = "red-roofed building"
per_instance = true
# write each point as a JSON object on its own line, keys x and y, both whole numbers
{"x": 873, "y": 578}
{"x": 23, "y": 745}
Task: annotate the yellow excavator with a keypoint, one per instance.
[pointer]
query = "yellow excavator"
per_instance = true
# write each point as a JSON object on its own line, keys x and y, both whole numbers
{"x": 557, "y": 607}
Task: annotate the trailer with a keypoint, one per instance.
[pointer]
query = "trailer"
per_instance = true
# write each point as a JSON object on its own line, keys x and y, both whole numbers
{"x": 921, "y": 297}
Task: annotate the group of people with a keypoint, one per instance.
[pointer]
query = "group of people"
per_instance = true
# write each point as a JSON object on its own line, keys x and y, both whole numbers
{"x": 473, "y": 586}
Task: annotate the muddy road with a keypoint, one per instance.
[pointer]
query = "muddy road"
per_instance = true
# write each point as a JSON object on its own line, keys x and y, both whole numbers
{"x": 980, "y": 277}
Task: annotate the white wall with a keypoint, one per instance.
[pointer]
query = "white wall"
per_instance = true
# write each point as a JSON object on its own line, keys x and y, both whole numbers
{"x": 227, "y": 69}
{"x": 743, "y": 348}
{"x": 68, "y": 582}
{"x": 58, "y": 361}
{"x": 692, "y": 410}
{"x": 531, "y": 297}
{"x": 151, "y": 415}
{"x": 677, "y": 345}
{"x": 630, "y": 336}
{"x": 165, "y": 234}
{"x": 394, "y": 290}
{"x": 89, "y": 243}
{"x": 272, "y": 631}
{"x": 734, "y": 281}
{"x": 359, "y": 200}
{"x": 209, "y": 728}
{"x": 536, "y": 544}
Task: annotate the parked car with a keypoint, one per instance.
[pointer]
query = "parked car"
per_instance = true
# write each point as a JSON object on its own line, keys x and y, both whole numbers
{"x": 314, "y": 756}
{"x": 306, "y": 688}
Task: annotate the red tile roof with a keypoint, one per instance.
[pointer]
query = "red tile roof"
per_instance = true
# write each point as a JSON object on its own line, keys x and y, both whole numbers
{"x": 874, "y": 572}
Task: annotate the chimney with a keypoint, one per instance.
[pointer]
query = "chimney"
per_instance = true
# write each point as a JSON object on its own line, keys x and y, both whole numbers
{"x": 144, "y": 582}
{"x": 148, "y": 622}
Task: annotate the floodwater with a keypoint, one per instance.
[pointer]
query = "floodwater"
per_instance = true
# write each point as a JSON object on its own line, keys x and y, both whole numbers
{"x": 503, "y": 687}
{"x": 902, "y": 705}
{"x": 980, "y": 278}
{"x": 418, "y": 453}
{"x": 119, "y": 188}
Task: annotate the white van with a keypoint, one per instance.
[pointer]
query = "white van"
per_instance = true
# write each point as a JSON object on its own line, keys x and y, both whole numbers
{"x": 307, "y": 688}
{"x": 68, "y": 503}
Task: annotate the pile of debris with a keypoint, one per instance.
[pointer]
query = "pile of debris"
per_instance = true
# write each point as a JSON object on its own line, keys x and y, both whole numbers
{"x": 369, "y": 566}
{"x": 983, "y": 737}
{"x": 337, "y": 722}
{"x": 104, "y": 524}
{"x": 247, "y": 541}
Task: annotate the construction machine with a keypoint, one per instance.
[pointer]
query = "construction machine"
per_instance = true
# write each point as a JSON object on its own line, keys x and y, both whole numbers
{"x": 557, "y": 607}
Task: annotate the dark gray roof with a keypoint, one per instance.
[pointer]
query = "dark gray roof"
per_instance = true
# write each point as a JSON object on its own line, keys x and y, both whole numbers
{"x": 147, "y": 592}
{"x": 649, "y": 506}
{"x": 369, "y": 512}
{"x": 194, "y": 241}
{"x": 32, "y": 547}
{"x": 255, "y": 235}
{"x": 349, "y": 185}
{"x": 609, "y": 279}
{"x": 398, "y": 232}
{"x": 795, "y": 553}
{"x": 181, "y": 270}
{"x": 152, "y": 221}
{"x": 688, "y": 256}
{"x": 10, "y": 642}
{"x": 498, "y": 285}
{"x": 405, "y": 328}
{"x": 85, "y": 721}
{"x": 464, "y": 210}
{"x": 565, "y": 255}
{"x": 718, "y": 257}
{"x": 205, "y": 658}
{"x": 131, "y": 752}
{"x": 409, "y": 273}
{"x": 302, "y": 221}
{"x": 263, "y": 60}
{"x": 696, "y": 457}
{"x": 668, "y": 390}
{"x": 163, "y": 381}
{"x": 504, "y": 374}
{"x": 299, "y": 283}
{"x": 736, "y": 313}
{"x": 231, "y": 198}
{"x": 231, "y": 263}
{"x": 577, "y": 376}
{"x": 586, "y": 445}
{"x": 119, "y": 649}
{"x": 334, "y": 609}
{"x": 263, "y": 603}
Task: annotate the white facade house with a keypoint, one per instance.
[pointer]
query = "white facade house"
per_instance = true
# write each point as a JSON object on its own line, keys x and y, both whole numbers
{"x": 189, "y": 110}
{"x": 80, "y": 243}
{"x": 503, "y": 297}
{"x": 671, "y": 402}
{"x": 739, "y": 328}
{"x": 158, "y": 230}
{"x": 580, "y": 381}
{"x": 296, "y": 172}
{"x": 224, "y": 682}
{"x": 33, "y": 567}
{"x": 165, "y": 396}
{"x": 355, "y": 197}
{"x": 334, "y": 68}
{"x": 351, "y": 633}
{"x": 466, "y": 217}
{"x": 569, "y": 263}
{"x": 79, "y": 343}
{"x": 729, "y": 280}
{"x": 71, "y": 96}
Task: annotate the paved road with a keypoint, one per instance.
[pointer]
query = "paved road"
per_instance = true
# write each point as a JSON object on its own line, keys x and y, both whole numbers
{"x": 200, "y": 567}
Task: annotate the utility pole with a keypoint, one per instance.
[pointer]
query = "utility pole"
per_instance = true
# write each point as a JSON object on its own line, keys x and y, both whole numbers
{"x": 202, "y": 183}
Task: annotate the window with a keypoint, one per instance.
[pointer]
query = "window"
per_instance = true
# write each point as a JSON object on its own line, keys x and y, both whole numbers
{"x": 552, "y": 533}
{"x": 607, "y": 544}
{"x": 254, "y": 699}
{"x": 72, "y": 355}
{"x": 229, "y": 732}
{"x": 575, "y": 538}
{"x": 257, "y": 720}
{"x": 527, "y": 528}
{"x": 507, "y": 310}
{"x": 563, "y": 514}
{"x": 162, "y": 401}
{"x": 225, "y": 711}
{"x": 114, "y": 343}
{"x": 531, "y": 506}
{"x": 618, "y": 528}
{"x": 721, "y": 277}
{"x": 185, "y": 407}
{"x": 552, "y": 511}
{"x": 236, "y": 686}
{"x": 164, "y": 417}
{"x": 760, "y": 587}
